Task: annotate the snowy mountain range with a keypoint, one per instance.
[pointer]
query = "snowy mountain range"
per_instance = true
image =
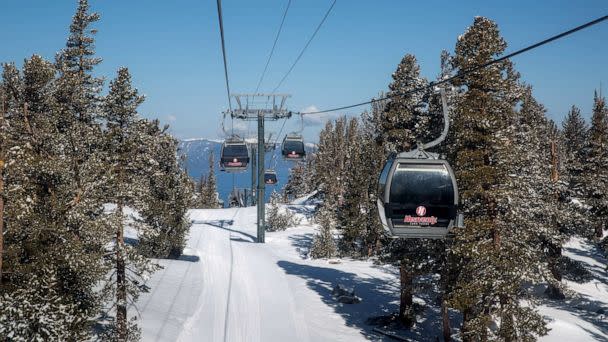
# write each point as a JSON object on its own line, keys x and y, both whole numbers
{"x": 196, "y": 161}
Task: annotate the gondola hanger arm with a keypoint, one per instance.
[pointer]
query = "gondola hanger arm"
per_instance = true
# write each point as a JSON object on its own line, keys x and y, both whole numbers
{"x": 446, "y": 124}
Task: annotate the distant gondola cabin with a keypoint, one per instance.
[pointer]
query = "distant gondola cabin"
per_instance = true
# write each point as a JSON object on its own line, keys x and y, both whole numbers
{"x": 234, "y": 155}
{"x": 270, "y": 177}
{"x": 293, "y": 147}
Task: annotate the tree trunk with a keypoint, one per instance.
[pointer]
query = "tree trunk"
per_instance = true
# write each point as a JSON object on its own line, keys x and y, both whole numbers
{"x": 599, "y": 231}
{"x": 445, "y": 318}
{"x": 406, "y": 300}
{"x": 554, "y": 256}
{"x": 121, "y": 281}
{"x": 554, "y": 163}
{"x": 464, "y": 329}
{"x": 507, "y": 325}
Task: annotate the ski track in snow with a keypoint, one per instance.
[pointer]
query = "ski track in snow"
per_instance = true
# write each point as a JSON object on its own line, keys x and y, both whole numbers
{"x": 234, "y": 291}
{"x": 226, "y": 287}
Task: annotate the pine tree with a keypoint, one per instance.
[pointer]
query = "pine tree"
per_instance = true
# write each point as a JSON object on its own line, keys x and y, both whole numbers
{"x": 330, "y": 161}
{"x": 534, "y": 193}
{"x": 296, "y": 183}
{"x": 595, "y": 170}
{"x": 357, "y": 216}
{"x": 212, "y": 184}
{"x": 373, "y": 154}
{"x": 405, "y": 122}
{"x": 201, "y": 187}
{"x": 36, "y": 312}
{"x": 80, "y": 193}
{"x": 489, "y": 248}
{"x": 574, "y": 140}
{"x": 208, "y": 188}
{"x": 575, "y": 133}
{"x": 42, "y": 213}
{"x": 58, "y": 170}
{"x": 349, "y": 218}
{"x": 323, "y": 244}
{"x": 278, "y": 219}
{"x": 164, "y": 205}
{"x": 127, "y": 185}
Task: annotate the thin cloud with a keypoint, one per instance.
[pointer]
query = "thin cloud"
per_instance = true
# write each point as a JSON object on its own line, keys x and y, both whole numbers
{"x": 317, "y": 119}
{"x": 237, "y": 127}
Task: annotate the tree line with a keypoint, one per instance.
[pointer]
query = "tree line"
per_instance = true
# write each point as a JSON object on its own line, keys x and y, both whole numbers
{"x": 526, "y": 186}
{"x": 82, "y": 174}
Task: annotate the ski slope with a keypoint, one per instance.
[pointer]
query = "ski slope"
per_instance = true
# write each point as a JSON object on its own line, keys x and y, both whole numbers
{"x": 227, "y": 288}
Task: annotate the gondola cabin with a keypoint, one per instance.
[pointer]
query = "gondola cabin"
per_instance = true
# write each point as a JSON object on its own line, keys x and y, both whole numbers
{"x": 293, "y": 147}
{"x": 417, "y": 197}
{"x": 234, "y": 155}
{"x": 270, "y": 177}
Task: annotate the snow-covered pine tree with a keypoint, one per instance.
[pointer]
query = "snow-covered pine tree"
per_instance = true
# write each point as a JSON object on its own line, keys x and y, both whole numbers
{"x": 126, "y": 185}
{"x": 406, "y": 121}
{"x": 323, "y": 244}
{"x": 567, "y": 215}
{"x": 349, "y": 218}
{"x": 80, "y": 195}
{"x": 529, "y": 226}
{"x": 36, "y": 312}
{"x": 324, "y": 155}
{"x": 374, "y": 155}
{"x": 278, "y": 218}
{"x": 41, "y": 240}
{"x": 201, "y": 186}
{"x": 357, "y": 216}
{"x": 164, "y": 206}
{"x": 575, "y": 134}
{"x": 208, "y": 188}
{"x": 330, "y": 161}
{"x": 212, "y": 183}
{"x": 310, "y": 179}
{"x": 487, "y": 249}
{"x": 595, "y": 168}
{"x": 296, "y": 183}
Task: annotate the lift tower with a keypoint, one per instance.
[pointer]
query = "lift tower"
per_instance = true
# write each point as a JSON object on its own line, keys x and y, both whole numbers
{"x": 246, "y": 110}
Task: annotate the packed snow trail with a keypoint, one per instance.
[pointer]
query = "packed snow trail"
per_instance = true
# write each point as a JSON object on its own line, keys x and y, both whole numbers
{"x": 247, "y": 306}
{"x": 256, "y": 305}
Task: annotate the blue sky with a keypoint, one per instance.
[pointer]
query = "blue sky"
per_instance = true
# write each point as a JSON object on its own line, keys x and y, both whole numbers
{"x": 173, "y": 49}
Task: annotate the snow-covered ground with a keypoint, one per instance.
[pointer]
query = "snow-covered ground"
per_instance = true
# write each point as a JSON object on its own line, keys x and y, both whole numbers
{"x": 227, "y": 288}
{"x": 584, "y": 316}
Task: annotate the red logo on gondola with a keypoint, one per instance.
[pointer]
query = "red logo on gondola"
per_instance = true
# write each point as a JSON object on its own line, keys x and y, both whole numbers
{"x": 234, "y": 162}
{"x": 421, "y": 219}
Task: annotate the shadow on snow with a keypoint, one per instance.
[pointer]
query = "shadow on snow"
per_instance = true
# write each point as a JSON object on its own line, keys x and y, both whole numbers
{"x": 378, "y": 298}
{"x": 584, "y": 306}
{"x": 302, "y": 243}
{"x": 223, "y": 224}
